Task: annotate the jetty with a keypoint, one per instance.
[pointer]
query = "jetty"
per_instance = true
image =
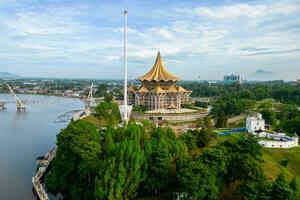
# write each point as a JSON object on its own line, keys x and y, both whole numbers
{"x": 43, "y": 163}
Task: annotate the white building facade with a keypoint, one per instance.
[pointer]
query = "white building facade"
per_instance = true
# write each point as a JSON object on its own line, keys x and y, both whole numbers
{"x": 256, "y": 126}
{"x": 280, "y": 141}
{"x": 255, "y": 123}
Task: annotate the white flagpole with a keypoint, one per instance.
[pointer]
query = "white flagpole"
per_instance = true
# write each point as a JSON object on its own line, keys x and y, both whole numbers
{"x": 125, "y": 67}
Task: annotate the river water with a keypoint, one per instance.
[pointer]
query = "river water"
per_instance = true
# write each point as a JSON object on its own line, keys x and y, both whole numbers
{"x": 26, "y": 135}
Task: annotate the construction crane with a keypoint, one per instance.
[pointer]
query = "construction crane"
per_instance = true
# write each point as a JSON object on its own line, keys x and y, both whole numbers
{"x": 18, "y": 102}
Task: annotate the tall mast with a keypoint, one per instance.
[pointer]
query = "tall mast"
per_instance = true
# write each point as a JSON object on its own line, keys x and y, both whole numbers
{"x": 125, "y": 66}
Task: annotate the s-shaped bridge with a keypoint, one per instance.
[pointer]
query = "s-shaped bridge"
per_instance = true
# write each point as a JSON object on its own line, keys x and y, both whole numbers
{"x": 78, "y": 114}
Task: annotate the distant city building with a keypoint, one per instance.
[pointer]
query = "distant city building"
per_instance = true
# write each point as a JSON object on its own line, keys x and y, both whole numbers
{"x": 232, "y": 79}
{"x": 298, "y": 81}
{"x": 159, "y": 89}
{"x": 255, "y": 123}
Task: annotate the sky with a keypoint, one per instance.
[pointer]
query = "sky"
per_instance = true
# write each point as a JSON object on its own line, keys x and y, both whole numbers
{"x": 197, "y": 39}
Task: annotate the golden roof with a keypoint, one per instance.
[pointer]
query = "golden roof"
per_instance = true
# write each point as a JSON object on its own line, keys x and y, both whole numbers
{"x": 172, "y": 89}
{"x": 158, "y": 72}
{"x": 132, "y": 88}
{"x": 158, "y": 89}
{"x": 143, "y": 89}
{"x": 181, "y": 89}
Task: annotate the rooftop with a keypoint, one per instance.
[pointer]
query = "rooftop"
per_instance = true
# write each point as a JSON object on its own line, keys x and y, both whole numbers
{"x": 158, "y": 72}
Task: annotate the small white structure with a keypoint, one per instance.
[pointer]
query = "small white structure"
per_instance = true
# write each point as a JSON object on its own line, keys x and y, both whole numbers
{"x": 280, "y": 140}
{"x": 255, "y": 123}
{"x": 125, "y": 115}
{"x": 256, "y": 126}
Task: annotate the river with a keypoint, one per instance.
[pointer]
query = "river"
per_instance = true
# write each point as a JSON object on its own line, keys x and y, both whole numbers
{"x": 26, "y": 135}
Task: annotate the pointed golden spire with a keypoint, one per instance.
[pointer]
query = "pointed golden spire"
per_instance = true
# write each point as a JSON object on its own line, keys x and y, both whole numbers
{"x": 158, "y": 72}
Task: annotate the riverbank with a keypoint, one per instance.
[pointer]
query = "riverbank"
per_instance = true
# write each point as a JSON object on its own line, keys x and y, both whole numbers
{"x": 26, "y": 135}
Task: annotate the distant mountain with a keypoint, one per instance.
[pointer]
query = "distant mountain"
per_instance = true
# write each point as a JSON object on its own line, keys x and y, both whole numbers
{"x": 262, "y": 75}
{"x": 8, "y": 75}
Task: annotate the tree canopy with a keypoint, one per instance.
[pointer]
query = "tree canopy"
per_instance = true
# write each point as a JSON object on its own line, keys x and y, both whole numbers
{"x": 136, "y": 161}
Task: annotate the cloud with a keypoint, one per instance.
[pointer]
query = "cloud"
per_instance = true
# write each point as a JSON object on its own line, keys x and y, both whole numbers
{"x": 46, "y": 21}
{"x": 263, "y": 52}
{"x": 190, "y": 35}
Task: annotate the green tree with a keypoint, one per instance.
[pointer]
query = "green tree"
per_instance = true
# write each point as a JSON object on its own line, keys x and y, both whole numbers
{"x": 255, "y": 191}
{"x": 281, "y": 190}
{"x": 205, "y": 137}
{"x": 198, "y": 182}
{"x": 123, "y": 164}
{"x": 294, "y": 185}
{"x": 269, "y": 116}
{"x": 190, "y": 140}
{"x": 108, "y": 112}
{"x": 76, "y": 162}
{"x": 108, "y": 97}
{"x": 291, "y": 126}
{"x": 165, "y": 155}
{"x": 217, "y": 160}
{"x": 102, "y": 90}
{"x": 249, "y": 144}
{"x": 121, "y": 173}
{"x": 245, "y": 168}
{"x": 248, "y": 105}
{"x": 221, "y": 122}
{"x": 244, "y": 160}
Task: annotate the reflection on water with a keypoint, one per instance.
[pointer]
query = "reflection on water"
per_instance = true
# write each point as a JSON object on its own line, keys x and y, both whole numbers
{"x": 25, "y": 135}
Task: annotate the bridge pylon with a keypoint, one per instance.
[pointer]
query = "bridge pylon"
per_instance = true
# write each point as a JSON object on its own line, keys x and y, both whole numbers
{"x": 18, "y": 102}
{"x": 90, "y": 101}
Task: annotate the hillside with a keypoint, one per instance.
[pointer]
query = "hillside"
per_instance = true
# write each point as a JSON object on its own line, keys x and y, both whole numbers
{"x": 273, "y": 159}
{"x": 274, "y": 162}
{"x": 262, "y": 75}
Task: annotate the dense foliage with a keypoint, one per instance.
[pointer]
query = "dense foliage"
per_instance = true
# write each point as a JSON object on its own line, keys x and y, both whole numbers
{"x": 76, "y": 162}
{"x": 279, "y": 190}
{"x": 132, "y": 162}
{"x": 277, "y": 101}
{"x": 108, "y": 111}
{"x": 280, "y": 91}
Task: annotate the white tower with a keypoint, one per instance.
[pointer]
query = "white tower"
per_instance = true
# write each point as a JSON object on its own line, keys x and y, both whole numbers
{"x": 125, "y": 110}
{"x": 125, "y": 66}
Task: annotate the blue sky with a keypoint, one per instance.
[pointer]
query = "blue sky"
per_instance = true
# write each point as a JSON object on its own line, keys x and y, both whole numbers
{"x": 84, "y": 39}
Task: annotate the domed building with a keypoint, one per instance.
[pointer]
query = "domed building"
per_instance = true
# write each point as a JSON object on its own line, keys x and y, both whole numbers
{"x": 159, "y": 89}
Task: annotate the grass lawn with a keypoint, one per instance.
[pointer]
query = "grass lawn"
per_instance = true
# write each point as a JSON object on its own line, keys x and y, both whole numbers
{"x": 273, "y": 157}
{"x": 231, "y": 137}
{"x": 272, "y": 160}
{"x": 221, "y": 130}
